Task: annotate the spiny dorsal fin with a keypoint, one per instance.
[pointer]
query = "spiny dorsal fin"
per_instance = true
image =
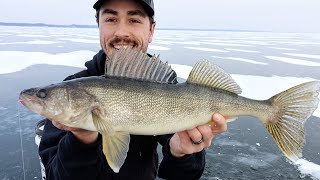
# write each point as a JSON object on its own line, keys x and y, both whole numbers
{"x": 135, "y": 64}
{"x": 207, "y": 74}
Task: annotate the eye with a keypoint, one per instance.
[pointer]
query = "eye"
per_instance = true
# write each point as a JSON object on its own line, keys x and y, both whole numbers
{"x": 111, "y": 20}
{"x": 135, "y": 21}
{"x": 42, "y": 93}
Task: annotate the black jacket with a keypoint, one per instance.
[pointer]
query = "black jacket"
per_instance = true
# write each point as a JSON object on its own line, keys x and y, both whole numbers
{"x": 64, "y": 157}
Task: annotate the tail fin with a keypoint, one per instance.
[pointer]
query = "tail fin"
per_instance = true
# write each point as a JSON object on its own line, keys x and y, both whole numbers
{"x": 293, "y": 107}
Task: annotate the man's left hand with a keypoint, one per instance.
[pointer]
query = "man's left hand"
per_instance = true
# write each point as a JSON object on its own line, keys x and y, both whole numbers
{"x": 195, "y": 140}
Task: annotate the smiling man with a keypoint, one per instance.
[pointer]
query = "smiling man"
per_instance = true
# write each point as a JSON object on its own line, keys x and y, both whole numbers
{"x": 71, "y": 153}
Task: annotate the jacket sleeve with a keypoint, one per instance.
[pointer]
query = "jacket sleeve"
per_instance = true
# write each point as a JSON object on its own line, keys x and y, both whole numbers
{"x": 65, "y": 157}
{"x": 188, "y": 167}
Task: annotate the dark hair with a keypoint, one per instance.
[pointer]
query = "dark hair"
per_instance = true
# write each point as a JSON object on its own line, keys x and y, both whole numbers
{"x": 97, "y": 18}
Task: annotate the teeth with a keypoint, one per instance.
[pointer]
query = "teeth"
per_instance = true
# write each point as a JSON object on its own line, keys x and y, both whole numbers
{"x": 117, "y": 47}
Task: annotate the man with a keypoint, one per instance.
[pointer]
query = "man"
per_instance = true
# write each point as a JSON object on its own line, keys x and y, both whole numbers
{"x": 72, "y": 153}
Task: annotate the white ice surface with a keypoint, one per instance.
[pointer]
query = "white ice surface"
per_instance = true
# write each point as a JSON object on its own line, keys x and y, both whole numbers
{"x": 81, "y": 40}
{"x": 241, "y": 50}
{"x": 20, "y": 60}
{"x": 42, "y": 42}
{"x": 160, "y": 48}
{"x": 281, "y": 48}
{"x": 293, "y": 61}
{"x": 240, "y": 59}
{"x": 314, "y": 56}
{"x": 205, "y": 49}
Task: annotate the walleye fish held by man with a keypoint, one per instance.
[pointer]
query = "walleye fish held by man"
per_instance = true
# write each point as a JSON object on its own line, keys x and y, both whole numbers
{"x": 137, "y": 96}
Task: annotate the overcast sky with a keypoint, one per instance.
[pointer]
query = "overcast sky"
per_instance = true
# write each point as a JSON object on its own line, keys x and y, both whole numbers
{"x": 268, "y": 15}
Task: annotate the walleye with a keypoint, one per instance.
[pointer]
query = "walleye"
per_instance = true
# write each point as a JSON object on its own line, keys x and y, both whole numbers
{"x": 137, "y": 95}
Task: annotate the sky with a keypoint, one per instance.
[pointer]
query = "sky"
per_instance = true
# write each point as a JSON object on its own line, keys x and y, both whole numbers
{"x": 257, "y": 15}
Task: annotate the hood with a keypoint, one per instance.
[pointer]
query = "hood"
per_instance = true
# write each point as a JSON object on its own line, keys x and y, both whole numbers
{"x": 95, "y": 66}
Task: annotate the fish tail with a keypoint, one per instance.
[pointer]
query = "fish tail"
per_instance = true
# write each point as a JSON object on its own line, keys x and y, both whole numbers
{"x": 291, "y": 109}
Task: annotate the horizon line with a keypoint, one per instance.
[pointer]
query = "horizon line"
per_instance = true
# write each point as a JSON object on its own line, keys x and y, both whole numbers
{"x": 95, "y": 26}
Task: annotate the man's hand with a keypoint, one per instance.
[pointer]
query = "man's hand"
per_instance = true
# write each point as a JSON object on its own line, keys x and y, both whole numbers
{"x": 85, "y": 136}
{"x": 183, "y": 143}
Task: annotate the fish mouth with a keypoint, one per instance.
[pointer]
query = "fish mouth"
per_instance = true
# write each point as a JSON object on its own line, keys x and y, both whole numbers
{"x": 30, "y": 101}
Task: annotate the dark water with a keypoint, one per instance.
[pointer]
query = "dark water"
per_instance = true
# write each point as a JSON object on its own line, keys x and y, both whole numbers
{"x": 245, "y": 151}
{"x": 11, "y": 166}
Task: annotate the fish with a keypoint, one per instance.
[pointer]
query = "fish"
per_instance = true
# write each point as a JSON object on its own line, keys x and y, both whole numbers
{"x": 138, "y": 95}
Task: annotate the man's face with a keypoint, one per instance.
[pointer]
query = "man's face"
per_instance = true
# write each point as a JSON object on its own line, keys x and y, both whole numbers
{"x": 124, "y": 23}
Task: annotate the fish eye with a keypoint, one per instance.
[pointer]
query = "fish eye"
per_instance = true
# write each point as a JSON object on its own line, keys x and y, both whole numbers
{"x": 42, "y": 93}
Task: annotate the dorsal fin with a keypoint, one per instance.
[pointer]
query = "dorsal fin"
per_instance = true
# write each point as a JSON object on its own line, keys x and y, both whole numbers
{"x": 210, "y": 75}
{"x": 135, "y": 64}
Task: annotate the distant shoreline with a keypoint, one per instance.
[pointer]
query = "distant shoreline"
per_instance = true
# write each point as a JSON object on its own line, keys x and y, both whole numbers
{"x": 95, "y": 26}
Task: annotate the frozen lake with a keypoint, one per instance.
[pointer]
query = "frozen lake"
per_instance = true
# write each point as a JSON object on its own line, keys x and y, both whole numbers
{"x": 262, "y": 63}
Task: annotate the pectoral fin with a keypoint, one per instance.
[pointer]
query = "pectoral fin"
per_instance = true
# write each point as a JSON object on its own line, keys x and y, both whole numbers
{"x": 115, "y": 149}
{"x": 99, "y": 120}
{"x": 115, "y": 145}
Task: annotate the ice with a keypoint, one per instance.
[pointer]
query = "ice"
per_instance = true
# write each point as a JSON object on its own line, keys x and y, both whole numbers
{"x": 160, "y": 48}
{"x": 205, "y": 49}
{"x": 241, "y": 50}
{"x": 195, "y": 43}
{"x": 20, "y": 60}
{"x": 308, "y": 168}
{"x": 293, "y": 61}
{"x": 304, "y": 55}
{"x": 240, "y": 59}
{"x": 33, "y": 35}
{"x": 281, "y": 48}
{"x": 42, "y": 42}
{"x": 80, "y": 40}
{"x": 225, "y": 44}
{"x": 2, "y": 108}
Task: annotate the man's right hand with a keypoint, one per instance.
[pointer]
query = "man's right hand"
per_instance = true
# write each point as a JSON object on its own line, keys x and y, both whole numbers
{"x": 85, "y": 136}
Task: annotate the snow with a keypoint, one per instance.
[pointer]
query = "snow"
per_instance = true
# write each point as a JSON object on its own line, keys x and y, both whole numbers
{"x": 80, "y": 40}
{"x": 205, "y": 49}
{"x": 160, "y": 48}
{"x": 281, "y": 48}
{"x": 240, "y": 59}
{"x": 309, "y": 168}
{"x": 303, "y": 55}
{"x": 225, "y": 44}
{"x": 42, "y": 42}
{"x": 20, "y": 60}
{"x": 293, "y": 61}
{"x": 241, "y": 50}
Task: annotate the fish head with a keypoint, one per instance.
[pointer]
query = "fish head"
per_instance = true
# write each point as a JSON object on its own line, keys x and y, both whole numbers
{"x": 49, "y": 101}
{"x": 59, "y": 102}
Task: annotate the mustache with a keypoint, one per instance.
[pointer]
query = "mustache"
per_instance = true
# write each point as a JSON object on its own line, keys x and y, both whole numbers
{"x": 123, "y": 40}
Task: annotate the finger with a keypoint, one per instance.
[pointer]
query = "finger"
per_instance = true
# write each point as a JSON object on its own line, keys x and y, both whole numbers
{"x": 184, "y": 137}
{"x": 207, "y": 134}
{"x": 220, "y": 124}
{"x": 194, "y": 135}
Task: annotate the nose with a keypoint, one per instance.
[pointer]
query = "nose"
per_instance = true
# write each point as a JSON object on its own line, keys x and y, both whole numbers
{"x": 122, "y": 30}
